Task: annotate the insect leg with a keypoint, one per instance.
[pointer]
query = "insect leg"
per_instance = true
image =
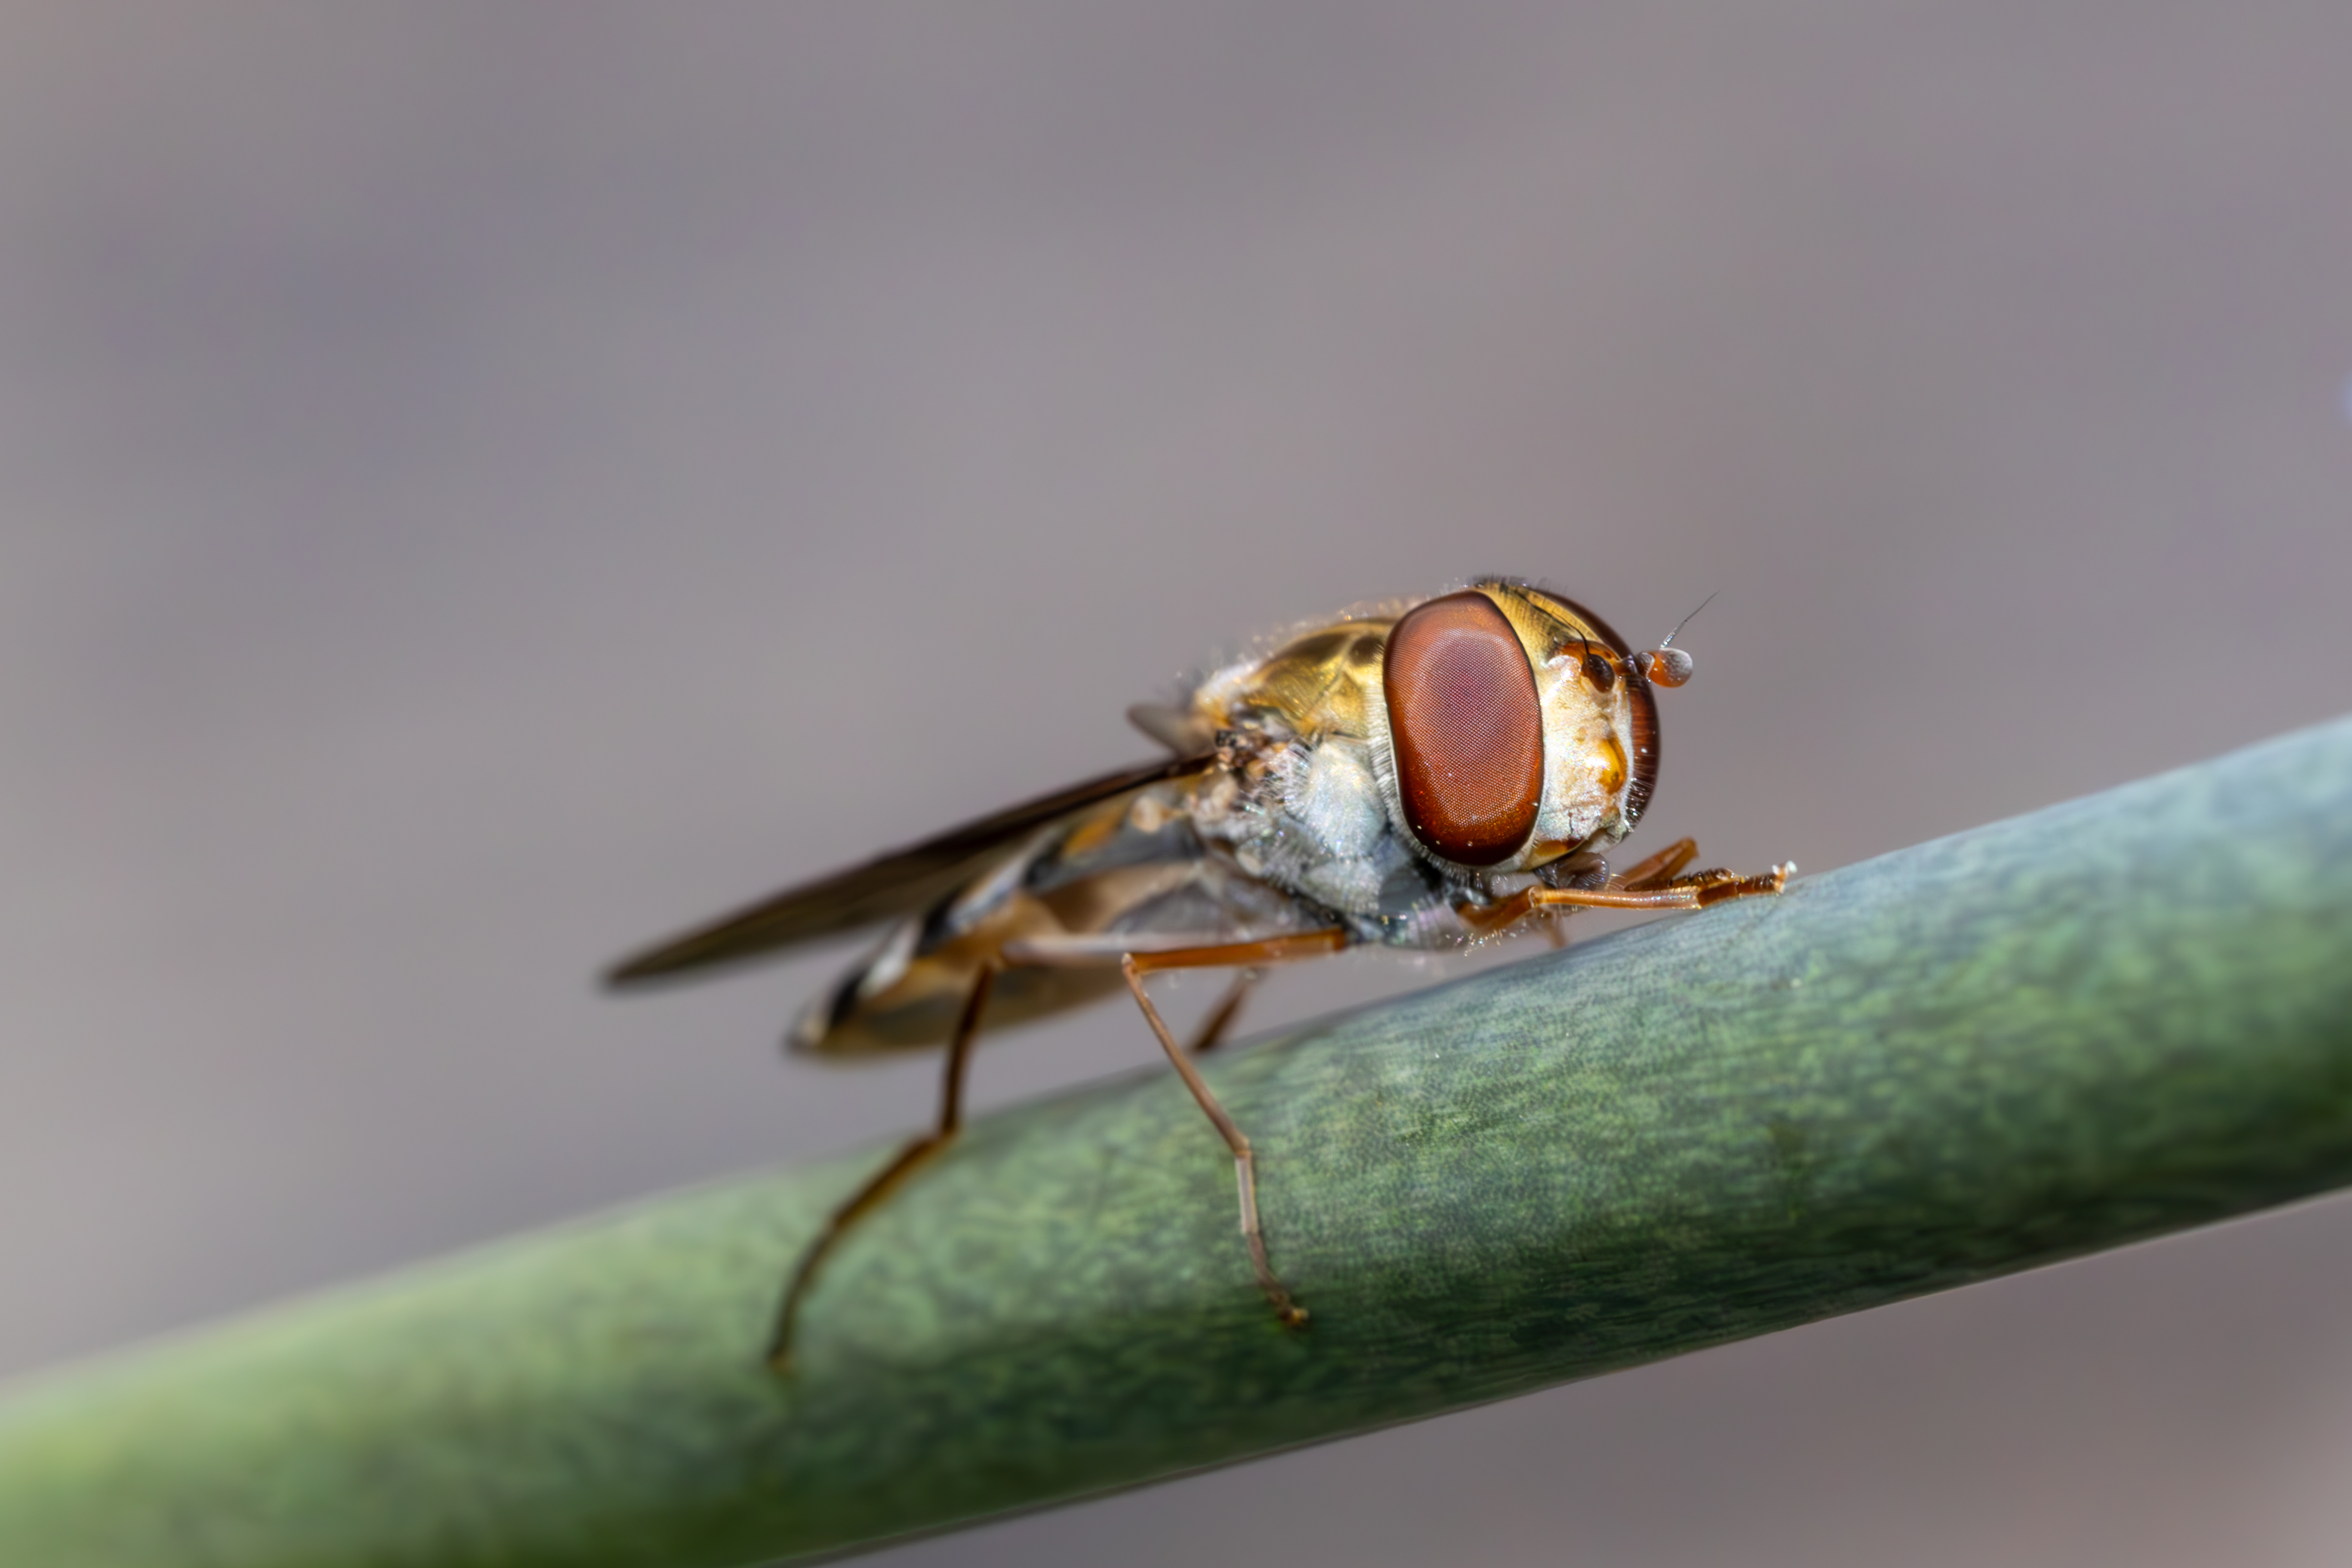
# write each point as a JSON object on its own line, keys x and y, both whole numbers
{"x": 1679, "y": 892}
{"x": 1659, "y": 869}
{"x": 1220, "y": 1021}
{"x": 1135, "y": 965}
{"x": 1719, "y": 887}
{"x": 1694, "y": 892}
{"x": 869, "y": 1196}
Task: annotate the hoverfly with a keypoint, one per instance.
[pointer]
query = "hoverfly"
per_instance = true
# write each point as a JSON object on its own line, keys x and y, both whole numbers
{"x": 1423, "y": 773}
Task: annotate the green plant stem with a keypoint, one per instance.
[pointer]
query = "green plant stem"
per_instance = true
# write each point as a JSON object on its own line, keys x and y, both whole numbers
{"x": 2097, "y": 1023}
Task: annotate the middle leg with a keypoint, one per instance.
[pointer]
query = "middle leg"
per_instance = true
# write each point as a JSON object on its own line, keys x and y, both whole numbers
{"x": 1134, "y": 964}
{"x": 1286, "y": 1310}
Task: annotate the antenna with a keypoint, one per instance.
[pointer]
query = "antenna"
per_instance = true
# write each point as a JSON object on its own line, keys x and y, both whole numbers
{"x": 1688, "y": 619}
{"x": 1666, "y": 665}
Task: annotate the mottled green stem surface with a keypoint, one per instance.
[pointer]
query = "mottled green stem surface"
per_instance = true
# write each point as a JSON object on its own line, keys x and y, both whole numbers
{"x": 2100, "y": 1022}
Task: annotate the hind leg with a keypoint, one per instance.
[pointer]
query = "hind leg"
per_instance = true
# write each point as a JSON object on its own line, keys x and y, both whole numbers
{"x": 869, "y": 1198}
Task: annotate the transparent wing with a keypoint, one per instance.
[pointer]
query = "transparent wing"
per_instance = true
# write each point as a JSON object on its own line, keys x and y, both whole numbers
{"x": 890, "y": 886}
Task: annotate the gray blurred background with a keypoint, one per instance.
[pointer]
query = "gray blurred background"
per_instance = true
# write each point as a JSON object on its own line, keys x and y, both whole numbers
{"x": 482, "y": 485}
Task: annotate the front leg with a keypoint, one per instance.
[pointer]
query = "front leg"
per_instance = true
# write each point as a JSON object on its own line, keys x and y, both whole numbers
{"x": 1649, "y": 886}
{"x": 1696, "y": 891}
{"x": 1661, "y": 867}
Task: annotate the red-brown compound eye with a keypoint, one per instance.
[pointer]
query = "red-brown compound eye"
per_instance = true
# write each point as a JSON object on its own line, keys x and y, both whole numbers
{"x": 1468, "y": 728}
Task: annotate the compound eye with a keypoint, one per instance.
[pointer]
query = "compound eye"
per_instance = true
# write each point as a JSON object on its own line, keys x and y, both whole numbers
{"x": 1468, "y": 728}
